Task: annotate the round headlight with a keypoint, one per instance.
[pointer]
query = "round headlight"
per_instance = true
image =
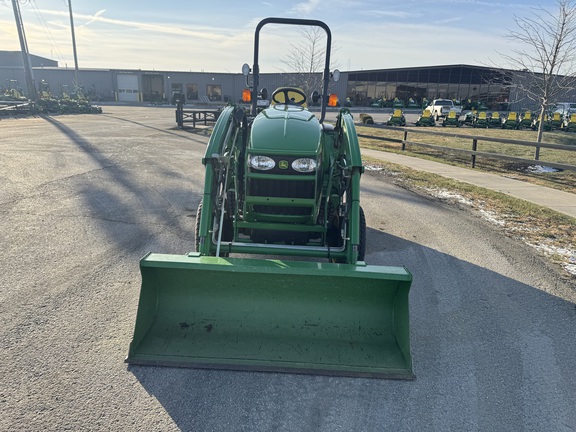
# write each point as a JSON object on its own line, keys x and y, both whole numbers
{"x": 304, "y": 165}
{"x": 262, "y": 163}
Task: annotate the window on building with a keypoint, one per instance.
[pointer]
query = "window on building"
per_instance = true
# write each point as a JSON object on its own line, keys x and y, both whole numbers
{"x": 412, "y": 76}
{"x": 192, "y": 91}
{"x": 434, "y": 76}
{"x": 424, "y": 76}
{"x": 214, "y": 92}
{"x": 455, "y": 75}
{"x": 380, "y": 90}
{"x": 444, "y": 76}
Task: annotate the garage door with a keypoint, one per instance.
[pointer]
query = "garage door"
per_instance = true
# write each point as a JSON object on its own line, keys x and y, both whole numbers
{"x": 128, "y": 90}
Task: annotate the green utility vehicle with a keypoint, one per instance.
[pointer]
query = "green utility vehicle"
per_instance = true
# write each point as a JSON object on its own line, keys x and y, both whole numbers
{"x": 278, "y": 280}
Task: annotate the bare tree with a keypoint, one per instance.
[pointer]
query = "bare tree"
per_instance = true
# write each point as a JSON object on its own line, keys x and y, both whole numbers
{"x": 548, "y": 58}
{"x": 305, "y": 59}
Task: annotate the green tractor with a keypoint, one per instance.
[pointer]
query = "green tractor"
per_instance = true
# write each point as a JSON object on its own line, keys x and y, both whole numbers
{"x": 283, "y": 184}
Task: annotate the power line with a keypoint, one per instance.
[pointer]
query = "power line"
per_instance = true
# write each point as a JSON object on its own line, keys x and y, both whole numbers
{"x": 47, "y": 31}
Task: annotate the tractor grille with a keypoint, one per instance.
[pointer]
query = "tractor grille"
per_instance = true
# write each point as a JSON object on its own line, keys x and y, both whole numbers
{"x": 283, "y": 211}
{"x": 281, "y": 188}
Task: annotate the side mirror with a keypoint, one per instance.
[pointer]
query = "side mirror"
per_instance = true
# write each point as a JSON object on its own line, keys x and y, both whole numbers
{"x": 264, "y": 94}
{"x": 245, "y": 69}
{"x": 336, "y": 75}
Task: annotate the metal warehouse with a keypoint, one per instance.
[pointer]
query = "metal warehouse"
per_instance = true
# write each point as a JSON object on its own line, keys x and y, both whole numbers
{"x": 492, "y": 86}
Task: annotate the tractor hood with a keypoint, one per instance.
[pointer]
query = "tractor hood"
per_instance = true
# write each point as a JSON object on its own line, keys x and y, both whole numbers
{"x": 285, "y": 129}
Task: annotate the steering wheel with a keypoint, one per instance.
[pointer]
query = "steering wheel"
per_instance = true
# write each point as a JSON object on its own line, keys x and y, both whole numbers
{"x": 289, "y": 96}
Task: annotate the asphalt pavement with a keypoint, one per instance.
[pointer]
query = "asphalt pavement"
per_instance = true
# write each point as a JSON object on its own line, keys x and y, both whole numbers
{"x": 83, "y": 198}
{"x": 562, "y": 202}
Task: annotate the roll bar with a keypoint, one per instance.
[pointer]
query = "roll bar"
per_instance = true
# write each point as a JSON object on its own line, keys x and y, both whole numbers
{"x": 291, "y": 21}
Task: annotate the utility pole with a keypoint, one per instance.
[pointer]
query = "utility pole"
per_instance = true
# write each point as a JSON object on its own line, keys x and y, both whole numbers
{"x": 32, "y": 93}
{"x": 76, "y": 82}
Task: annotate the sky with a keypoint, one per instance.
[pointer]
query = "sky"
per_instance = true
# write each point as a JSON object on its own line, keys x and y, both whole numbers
{"x": 218, "y": 36}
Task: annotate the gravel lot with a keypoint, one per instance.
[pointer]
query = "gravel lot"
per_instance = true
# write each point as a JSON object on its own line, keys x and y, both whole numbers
{"x": 84, "y": 197}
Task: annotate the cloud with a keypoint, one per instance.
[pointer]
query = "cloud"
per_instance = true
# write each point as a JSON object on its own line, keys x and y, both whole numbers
{"x": 96, "y": 17}
{"x": 306, "y": 8}
{"x": 388, "y": 13}
{"x": 448, "y": 20}
{"x": 397, "y": 40}
{"x": 164, "y": 28}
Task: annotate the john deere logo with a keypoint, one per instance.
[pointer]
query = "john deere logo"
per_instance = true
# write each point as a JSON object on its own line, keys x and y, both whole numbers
{"x": 283, "y": 164}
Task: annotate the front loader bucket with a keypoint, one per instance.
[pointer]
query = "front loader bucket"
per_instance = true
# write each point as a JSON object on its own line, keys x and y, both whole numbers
{"x": 272, "y": 315}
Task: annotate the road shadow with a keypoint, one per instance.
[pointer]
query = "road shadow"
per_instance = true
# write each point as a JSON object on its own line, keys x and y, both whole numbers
{"x": 166, "y": 131}
{"x": 490, "y": 353}
{"x": 131, "y": 201}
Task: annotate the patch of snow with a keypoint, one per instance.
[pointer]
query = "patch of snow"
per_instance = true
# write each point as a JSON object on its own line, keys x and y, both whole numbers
{"x": 567, "y": 254}
{"x": 445, "y": 194}
{"x": 490, "y": 216}
{"x": 539, "y": 169}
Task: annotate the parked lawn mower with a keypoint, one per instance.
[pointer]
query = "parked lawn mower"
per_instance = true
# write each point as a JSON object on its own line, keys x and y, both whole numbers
{"x": 412, "y": 104}
{"x": 481, "y": 120}
{"x": 398, "y": 104}
{"x": 396, "y": 118}
{"x": 425, "y": 119}
{"x": 511, "y": 121}
{"x": 495, "y": 120}
{"x": 525, "y": 120}
{"x": 469, "y": 118}
{"x": 547, "y": 124}
{"x": 556, "y": 121}
{"x": 569, "y": 124}
{"x": 451, "y": 119}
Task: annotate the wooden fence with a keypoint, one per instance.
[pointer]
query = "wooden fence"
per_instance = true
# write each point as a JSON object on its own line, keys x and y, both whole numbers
{"x": 473, "y": 151}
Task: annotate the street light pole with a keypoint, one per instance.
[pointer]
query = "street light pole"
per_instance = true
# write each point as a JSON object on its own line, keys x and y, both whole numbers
{"x": 76, "y": 82}
{"x": 32, "y": 94}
